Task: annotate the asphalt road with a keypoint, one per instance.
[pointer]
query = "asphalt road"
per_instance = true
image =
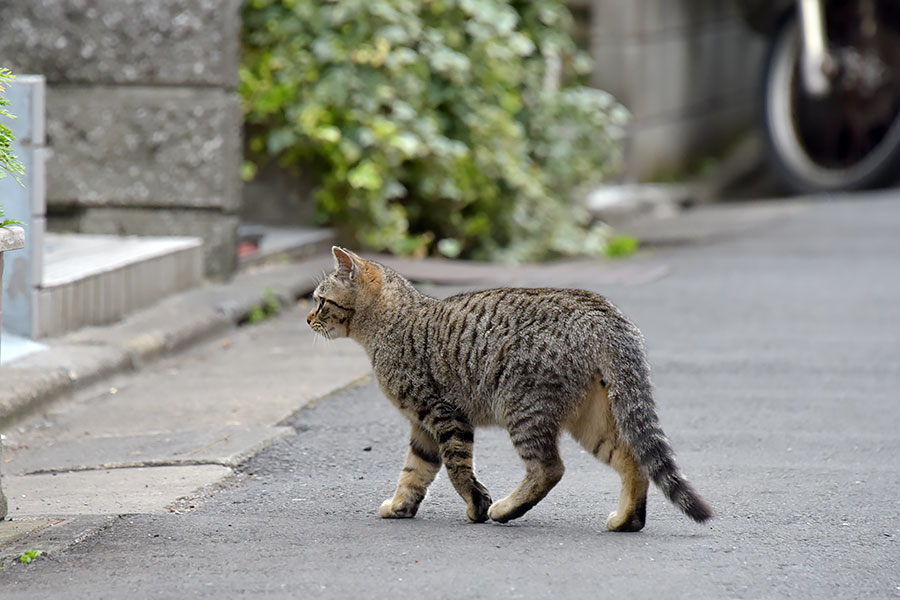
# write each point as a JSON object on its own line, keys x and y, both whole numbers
{"x": 777, "y": 363}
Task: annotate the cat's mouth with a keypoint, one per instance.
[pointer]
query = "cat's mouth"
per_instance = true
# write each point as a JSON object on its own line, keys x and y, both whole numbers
{"x": 319, "y": 328}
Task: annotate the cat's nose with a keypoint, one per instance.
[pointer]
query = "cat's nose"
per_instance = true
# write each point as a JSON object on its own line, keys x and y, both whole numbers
{"x": 309, "y": 318}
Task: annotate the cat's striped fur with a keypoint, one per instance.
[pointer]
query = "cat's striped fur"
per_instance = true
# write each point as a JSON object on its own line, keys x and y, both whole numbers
{"x": 535, "y": 361}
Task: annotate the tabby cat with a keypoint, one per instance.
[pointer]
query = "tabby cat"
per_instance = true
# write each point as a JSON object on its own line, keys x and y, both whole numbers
{"x": 535, "y": 361}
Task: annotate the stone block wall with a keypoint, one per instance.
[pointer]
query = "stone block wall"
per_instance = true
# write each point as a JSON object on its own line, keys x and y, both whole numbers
{"x": 143, "y": 121}
{"x": 686, "y": 69}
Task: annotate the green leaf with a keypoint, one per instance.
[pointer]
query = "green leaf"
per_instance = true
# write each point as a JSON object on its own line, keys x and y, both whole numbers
{"x": 620, "y": 246}
{"x": 248, "y": 170}
{"x": 449, "y": 247}
{"x": 364, "y": 176}
{"x": 280, "y": 139}
{"x": 29, "y": 556}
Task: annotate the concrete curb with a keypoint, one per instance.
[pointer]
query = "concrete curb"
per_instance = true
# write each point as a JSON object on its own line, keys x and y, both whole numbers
{"x": 95, "y": 353}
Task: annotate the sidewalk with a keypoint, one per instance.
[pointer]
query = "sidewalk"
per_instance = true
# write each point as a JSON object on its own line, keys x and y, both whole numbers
{"x": 152, "y": 414}
{"x": 104, "y": 422}
{"x": 138, "y": 442}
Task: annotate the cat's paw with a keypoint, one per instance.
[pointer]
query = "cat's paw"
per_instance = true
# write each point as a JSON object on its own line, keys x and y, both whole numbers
{"x": 507, "y": 510}
{"x": 624, "y": 523}
{"x": 477, "y": 511}
{"x": 499, "y": 511}
{"x": 391, "y": 509}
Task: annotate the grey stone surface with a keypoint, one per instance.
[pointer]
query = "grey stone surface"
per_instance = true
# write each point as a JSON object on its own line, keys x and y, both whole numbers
{"x": 125, "y": 491}
{"x": 11, "y": 238}
{"x": 709, "y": 223}
{"x": 282, "y": 244}
{"x": 4, "y": 506}
{"x": 686, "y": 69}
{"x": 98, "y": 279}
{"x": 225, "y": 446}
{"x": 13, "y": 531}
{"x": 131, "y": 446}
{"x": 218, "y": 230}
{"x": 614, "y": 204}
{"x": 236, "y": 298}
{"x": 670, "y": 148}
{"x": 48, "y": 535}
{"x": 81, "y": 364}
{"x": 644, "y": 17}
{"x": 160, "y": 42}
{"x": 167, "y": 327}
{"x": 120, "y": 146}
{"x": 242, "y": 380}
{"x": 279, "y": 197}
{"x": 73, "y": 257}
{"x": 26, "y": 390}
{"x": 141, "y": 104}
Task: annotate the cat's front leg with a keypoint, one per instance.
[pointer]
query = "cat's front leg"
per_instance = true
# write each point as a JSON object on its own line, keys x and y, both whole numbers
{"x": 423, "y": 461}
{"x": 455, "y": 436}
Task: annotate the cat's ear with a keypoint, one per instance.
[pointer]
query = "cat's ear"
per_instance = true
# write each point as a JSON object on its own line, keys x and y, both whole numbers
{"x": 346, "y": 264}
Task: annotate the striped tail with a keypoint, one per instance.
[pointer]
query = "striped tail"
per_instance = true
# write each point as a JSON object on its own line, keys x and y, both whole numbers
{"x": 631, "y": 401}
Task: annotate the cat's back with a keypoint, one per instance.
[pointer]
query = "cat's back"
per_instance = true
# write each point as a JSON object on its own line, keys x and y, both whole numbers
{"x": 524, "y": 306}
{"x": 540, "y": 327}
{"x": 506, "y": 343}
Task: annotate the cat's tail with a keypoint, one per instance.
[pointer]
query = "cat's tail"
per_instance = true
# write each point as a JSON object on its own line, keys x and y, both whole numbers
{"x": 631, "y": 401}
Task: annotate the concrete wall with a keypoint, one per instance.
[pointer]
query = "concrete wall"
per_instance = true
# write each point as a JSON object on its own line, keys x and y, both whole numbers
{"x": 143, "y": 121}
{"x": 687, "y": 70}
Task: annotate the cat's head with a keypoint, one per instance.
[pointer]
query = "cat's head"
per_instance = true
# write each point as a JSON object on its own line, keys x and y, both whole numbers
{"x": 353, "y": 282}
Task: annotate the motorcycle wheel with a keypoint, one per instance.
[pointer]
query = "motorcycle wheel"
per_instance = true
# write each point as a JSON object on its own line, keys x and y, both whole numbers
{"x": 845, "y": 141}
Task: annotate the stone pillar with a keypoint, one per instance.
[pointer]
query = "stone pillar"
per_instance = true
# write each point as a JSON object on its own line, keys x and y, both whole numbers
{"x": 11, "y": 238}
{"x": 143, "y": 118}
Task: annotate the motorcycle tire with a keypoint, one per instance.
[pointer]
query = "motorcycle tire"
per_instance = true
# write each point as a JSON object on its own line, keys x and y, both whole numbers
{"x": 790, "y": 120}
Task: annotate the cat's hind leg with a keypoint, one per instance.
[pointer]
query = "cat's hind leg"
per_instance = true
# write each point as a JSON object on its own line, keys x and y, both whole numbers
{"x": 423, "y": 461}
{"x": 455, "y": 437}
{"x": 535, "y": 438}
{"x": 593, "y": 425}
{"x": 631, "y": 513}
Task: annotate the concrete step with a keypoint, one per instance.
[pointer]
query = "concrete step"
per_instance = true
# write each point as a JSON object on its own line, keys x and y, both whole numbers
{"x": 263, "y": 244}
{"x": 99, "y": 279}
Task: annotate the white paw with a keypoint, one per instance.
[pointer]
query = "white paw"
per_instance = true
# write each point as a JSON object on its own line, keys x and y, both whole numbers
{"x": 612, "y": 521}
{"x": 397, "y": 509}
{"x": 498, "y": 511}
{"x": 387, "y": 509}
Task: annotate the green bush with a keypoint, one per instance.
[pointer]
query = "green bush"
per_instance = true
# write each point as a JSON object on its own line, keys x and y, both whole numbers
{"x": 434, "y": 126}
{"x": 9, "y": 164}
